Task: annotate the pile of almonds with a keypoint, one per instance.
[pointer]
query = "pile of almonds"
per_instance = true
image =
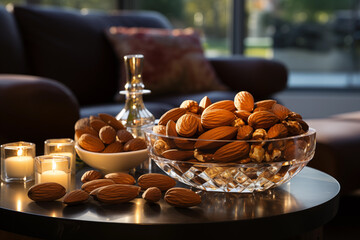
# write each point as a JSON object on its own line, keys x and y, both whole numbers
{"x": 116, "y": 188}
{"x": 238, "y": 119}
{"x": 105, "y": 134}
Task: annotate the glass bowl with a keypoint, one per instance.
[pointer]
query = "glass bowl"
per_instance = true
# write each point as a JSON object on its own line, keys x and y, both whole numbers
{"x": 267, "y": 164}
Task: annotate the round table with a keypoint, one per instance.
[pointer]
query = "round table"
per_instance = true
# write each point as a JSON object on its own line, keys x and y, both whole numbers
{"x": 303, "y": 204}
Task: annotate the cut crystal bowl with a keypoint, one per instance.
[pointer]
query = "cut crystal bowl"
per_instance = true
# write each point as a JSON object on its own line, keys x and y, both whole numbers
{"x": 267, "y": 163}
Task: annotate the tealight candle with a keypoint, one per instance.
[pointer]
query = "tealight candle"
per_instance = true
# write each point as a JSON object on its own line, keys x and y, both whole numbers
{"x": 17, "y": 161}
{"x": 64, "y": 147}
{"x": 53, "y": 168}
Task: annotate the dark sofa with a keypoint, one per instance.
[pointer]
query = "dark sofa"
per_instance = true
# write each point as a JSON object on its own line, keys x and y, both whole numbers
{"x": 56, "y": 66}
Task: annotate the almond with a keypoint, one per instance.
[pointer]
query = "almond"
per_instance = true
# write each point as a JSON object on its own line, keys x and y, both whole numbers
{"x": 94, "y": 192}
{"x": 114, "y": 147}
{"x": 88, "y": 130}
{"x": 262, "y": 119}
{"x": 261, "y": 109}
{"x": 176, "y": 154}
{"x": 170, "y": 131}
{"x": 243, "y": 114}
{"x": 94, "y": 117}
{"x": 89, "y": 186}
{"x": 244, "y": 101}
{"x": 82, "y": 123}
{"x": 204, "y": 102}
{"x": 173, "y": 114}
{"x": 277, "y": 131}
{"x": 91, "y": 143}
{"x": 152, "y": 194}
{"x": 266, "y": 104}
{"x": 182, "y": 197}
{"x": 280, "y": 111}
{"x": 91, "y": 175}
{"x": 117, "y": 193}
{"x": 224, "y": 104}
{"x": 183, "y": 143}
{"x": 293, "y": 115}
{"x": 216, "y": 118}
{"x": 121, "y": 178}
{"x": 187, "y": 125}
{"x": 76, "y": 197}
{"x": 244, "y": 132}
{"x": 158, "y": 180}
{"x": 97, "y": 124}
{"x": 219, "y": 133}
{"x": 112, "y": 121}
{"x": 190, "y": 105}
{"x": 159, "y": 129}
{"x": 231, "y": 151}
{"x": 135, "y": 144}
{"x": 49, "y": 191}
{"x": 124, "y": 136}
{"x": 107, "y": 134}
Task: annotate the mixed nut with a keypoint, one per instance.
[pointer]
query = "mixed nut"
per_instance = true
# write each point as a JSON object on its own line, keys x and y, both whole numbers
{"x": 105, "y": 134}
{"x": 195, "y": 131}
{"x": 116, "y": 188}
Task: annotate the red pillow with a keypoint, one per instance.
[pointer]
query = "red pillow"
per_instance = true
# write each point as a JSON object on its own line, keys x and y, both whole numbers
{"x": 174, "y": 60}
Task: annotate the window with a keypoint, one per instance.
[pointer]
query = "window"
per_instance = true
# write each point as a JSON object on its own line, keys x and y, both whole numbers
{"x": 211, "y": 17}
{"x": 318, "y": 40}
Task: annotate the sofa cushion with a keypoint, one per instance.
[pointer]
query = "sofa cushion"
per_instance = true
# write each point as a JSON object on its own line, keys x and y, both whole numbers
{"x": 174, "y": 60}
{"x": 71, "y": 47}
{"x": 12, "y": 57}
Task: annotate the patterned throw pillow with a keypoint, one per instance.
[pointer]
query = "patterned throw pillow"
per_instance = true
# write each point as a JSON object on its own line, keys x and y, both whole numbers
{"x": 174, "y": 60}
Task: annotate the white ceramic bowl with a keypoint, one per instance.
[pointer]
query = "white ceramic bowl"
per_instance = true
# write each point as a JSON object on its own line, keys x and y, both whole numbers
{"x": 112, "y": 162}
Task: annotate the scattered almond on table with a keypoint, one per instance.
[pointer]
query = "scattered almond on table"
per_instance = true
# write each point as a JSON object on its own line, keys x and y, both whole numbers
{"x": 117, "y": 187}
{"x": 105, "y": 134}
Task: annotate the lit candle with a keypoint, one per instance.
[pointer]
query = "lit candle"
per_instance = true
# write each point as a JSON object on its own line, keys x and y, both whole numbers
{"x": 19, "y": 166}
{"x": 63, "y": 147}
{"x": 55, "y": 175}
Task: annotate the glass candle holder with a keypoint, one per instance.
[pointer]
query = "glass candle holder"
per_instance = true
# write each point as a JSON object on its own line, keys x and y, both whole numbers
{"x": 64, "y": 147}
{"x": 17, "y": 162}
{"x": 53, "y": 168}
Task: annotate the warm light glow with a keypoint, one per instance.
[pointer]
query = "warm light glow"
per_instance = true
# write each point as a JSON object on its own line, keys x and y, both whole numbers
{"x": 20, "y": 152}
{"x": 18, "y": 205}
{"x": 138, "y": 209}
{"x": 58, "y": 147}
{"x": 53, "y": 165}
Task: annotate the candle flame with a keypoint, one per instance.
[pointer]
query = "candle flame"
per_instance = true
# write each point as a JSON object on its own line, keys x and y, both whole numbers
{"x": 58, "y": 147}
{"x": 53, "y": 165}
{"x": 20, "y": 152}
